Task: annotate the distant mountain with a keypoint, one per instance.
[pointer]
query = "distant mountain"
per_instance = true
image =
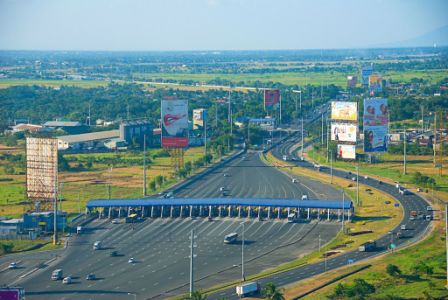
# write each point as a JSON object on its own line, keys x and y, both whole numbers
{"x": 437, "y": 37}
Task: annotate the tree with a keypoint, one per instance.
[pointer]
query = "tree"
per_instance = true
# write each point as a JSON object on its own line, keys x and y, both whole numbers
{"x": 422, "y": 268}
{"x": 271, "y": 292}
{"x": 196, "y": 295}
{"x": 393, "y": 270}
{"x": 159, "y": 180}
{"x": 152, "y": 185}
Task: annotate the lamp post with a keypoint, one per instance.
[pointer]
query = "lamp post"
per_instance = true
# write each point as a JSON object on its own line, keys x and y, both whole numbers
{"x": 300, "y": 95}
{"x": 133, "y": 294}
{"x": 357, "y": 184}
{"x": 243, "y": 277}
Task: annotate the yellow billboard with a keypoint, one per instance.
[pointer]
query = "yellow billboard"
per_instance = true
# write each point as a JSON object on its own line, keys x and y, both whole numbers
{"x": 345, "y": 111}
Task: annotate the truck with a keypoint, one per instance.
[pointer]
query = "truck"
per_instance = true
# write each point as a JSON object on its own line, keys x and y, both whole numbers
{"x": 78, "y": 229}
{"x": 97, "y": 245}
{"x": 246, "y": 289}
{"x": 368, "y": 246}
{"x": 56, "y": 274}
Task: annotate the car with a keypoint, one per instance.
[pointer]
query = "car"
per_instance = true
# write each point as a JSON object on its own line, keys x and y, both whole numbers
{"x": 412, "y": 218}
{"x": 304, "y": 197}
{"x": 225, "y": 175}
{"x": 428, "y": 217}
{"x": 91, "y": 276}
{"x": 114, "y": 253}
{"x": 403, "y": 227}
{"x": 429, "y": 208}
{"x": 67, "y": 280}
{"x": 115, "y": 221}
{"x": 294, "y": 180}
{"x": 419, "y": 190}
{"x": 12, "y": 265}
{"x": 221, "y": 189}
{"x": 131, "y": 260}
{"x": 209, "y": 219}
{"x": 366, "y": 177}
{"x": 380, "y": 182}
{"x": 353, "y": 178}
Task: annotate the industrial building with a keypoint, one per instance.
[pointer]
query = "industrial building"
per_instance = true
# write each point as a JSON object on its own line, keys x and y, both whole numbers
{"x": 86, "y": 141}
{"x": 43, "y": 221}
{"x": 69, "y": 127}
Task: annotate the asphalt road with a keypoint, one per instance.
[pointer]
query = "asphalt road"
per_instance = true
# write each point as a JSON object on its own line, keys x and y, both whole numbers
{"x": 415, "y": 228}
{"x": 160, "y": 246}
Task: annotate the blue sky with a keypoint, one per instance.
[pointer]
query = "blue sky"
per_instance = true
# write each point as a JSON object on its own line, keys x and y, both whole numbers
{"x": 214, "y": 24}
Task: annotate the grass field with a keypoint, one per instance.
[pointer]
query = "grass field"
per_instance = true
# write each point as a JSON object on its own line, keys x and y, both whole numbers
{"x": 5, "y": 83}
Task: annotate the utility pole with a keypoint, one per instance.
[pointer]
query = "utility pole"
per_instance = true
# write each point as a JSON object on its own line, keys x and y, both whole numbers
{"x": 319, "y": 242}
{"x": 423, "y": 121}
{"x": 280, "y": 115}
{"x": 205, "y": 133}
{"x": 357, "y": 184}
{"x": 404, "y": 152}
{"x": 55, "y": 214}
{"x": 243, "y": 277}
{"x": 322, "y": 130}
{"x": 328, "y": 138}
{"x": 89, "y": 115}
{"x": 144, "y": 165}
{"x": 331, "y": 168}
{"x": 301, "y": 150}
{"x": 435, "y": 138}
{"x": 446, "y": 242}
{"x": 343, "y": 206}
{"x": 192, "y": 256}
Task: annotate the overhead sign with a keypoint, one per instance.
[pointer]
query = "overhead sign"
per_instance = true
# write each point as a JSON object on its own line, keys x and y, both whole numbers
{"x": 41, "y": 168}
{"x": 343, "y": 132}
{"x": 174, "y": 115}
{"x": 376, "y": 124}
{"x": 271, "y": 99}
{"x": 347, "y": 151}
{"x": 345, "y": 111}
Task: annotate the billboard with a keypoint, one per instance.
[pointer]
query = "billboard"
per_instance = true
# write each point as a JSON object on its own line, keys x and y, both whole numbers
{"x": 346, "y": 111}
{"x": 347, "y": 151}
{"x": 174, "y": 115}
{"x": 375, "y": 84}
{"x": 366, "y": 71}
{"x": 12, "y": 293}
{"x": 375, "y": 138}
{"x": 343, "y": 132}
{"x": 41, "y": 168}
{"x": 199, "y": 116}
{"x": 271, "y": 99}
{"x": 376, "y": 112}
{"x": 352, "y": 81}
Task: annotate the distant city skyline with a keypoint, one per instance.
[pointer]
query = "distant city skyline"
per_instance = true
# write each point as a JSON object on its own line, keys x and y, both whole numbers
{"x": 167, "y": 25}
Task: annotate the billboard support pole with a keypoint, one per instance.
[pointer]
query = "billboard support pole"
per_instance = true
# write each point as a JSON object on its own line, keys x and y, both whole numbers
{"x": 357, "y": 184}
{"x": 322, "y": 130}
{"x": 144, "y": 165}
{"x": 55, "y": 218}
{"x": 301, "y": 155}
{"x": 328, "y": 138}
{"x": 404, "y": 152}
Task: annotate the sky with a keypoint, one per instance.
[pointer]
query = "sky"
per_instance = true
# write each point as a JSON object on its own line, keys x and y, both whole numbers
{"x": 148, "y": 25}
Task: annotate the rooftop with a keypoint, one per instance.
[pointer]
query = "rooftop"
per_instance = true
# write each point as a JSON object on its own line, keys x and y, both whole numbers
{"x": 100, "y": 135}
{"x": 61, "y": 124}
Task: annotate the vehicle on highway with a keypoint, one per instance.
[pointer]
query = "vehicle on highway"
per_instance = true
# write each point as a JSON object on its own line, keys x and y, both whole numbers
{"x": 78, "y": 229}
{"x": 115, "y": 221}
{"x": 209, "y": 219}
{"x": 428, "y": 217}
{"x": 429, "y": 208}
{"x": 414, "y": 213}
{"x": 247, "y": 289}
{"x": 230, "y": 238}
{"x": 113, "y": 254}
{"x": 294, "y": 180}
{"x": 132, "y": 218}
{"x": 366, "y": 177}
{"x": 91, "y": 276}
{"x": 304, "y": 197}
{"x": 12, "y": 265}
{"x": 97, "y": 245}
{"x": 403, "y": 227}
{"x": 419, "y": 190}
{"x": 169, "y": 195}
{"x": 292, "y": 218}
{"x": 368, "y": 246}
{"x": 57, "y": 274}
{"x": 67, "y": 280}
{"x": 226, "y": 175}
{"x": 285, "y": 157}
{"x": 221, "y": 189}
{"x": 131, "y": 260}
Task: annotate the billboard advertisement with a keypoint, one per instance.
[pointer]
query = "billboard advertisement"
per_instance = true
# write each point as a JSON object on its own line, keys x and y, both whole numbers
{"x": 375, "y": 84}
{"x": 376, "y": 112}
{"x": 366, "y": 71}
{"x": 343, "y": 132}
{"x": 347, "y": 151}
{"x": 174, "y": 115}
{"x": 271, "y": 99}
{"x": 199, "y": 116}
{"x": 41, "y": 168}
{"x": 346, "y": 111}
{"x": 12, "y": 294}
{"x": 352, "y": 81}
{"x": 375, "y": 138}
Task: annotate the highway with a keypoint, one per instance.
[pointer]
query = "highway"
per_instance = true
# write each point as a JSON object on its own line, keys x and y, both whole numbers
{"x": 409, "y": 202}
{"x": 160, "y": 246}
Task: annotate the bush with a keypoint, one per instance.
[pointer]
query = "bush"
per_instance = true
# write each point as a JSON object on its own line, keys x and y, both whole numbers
{"x": 423, "y": 180}
{"x": 393, "y": 270}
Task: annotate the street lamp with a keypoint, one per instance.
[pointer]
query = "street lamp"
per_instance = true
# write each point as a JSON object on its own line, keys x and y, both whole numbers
{"x": 243, "y": 278}
{"x": 133, "y": 294}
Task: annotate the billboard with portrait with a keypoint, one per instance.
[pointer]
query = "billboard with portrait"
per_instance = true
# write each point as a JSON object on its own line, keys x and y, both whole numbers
{"x": 199, "y": 116}
{"x": 366, "y": 71}
{"x": 376, "y": 112}
{"x": 375, "y": 84}
{"x": 345, "y": 111}
{"x": 375, "y": 138}
{"x": 271, "y": 99}
{"x": 346, "y": 151}
{"x": 174, "y": 115}
{"x": 343, "y": 132}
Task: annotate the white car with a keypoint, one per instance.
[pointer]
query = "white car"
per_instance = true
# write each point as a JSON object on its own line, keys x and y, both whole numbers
{"x": 12, "y": 265}
{"x": 115, "y": 221}
{"x": 67, "y": 280}
{"x": 131, "y": 260}
{"x": 304, "y": 197}
{"x": 294, "y": 180}
{"x": 221, "y": 189}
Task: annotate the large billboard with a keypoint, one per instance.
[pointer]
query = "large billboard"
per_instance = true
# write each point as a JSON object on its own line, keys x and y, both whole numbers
{"x": 347, "y": 151}
{"x": 366, "y": 71}
{"x": 199, "y": 116}
{"x": 376, "y": 112}
{"x": 343, "y": 132}
{"x": 375, "y": 84}
{"x": 174, "y": 123}
{"x": 375, "y": 138}
{"x": 41, "y": 168}
{"x": 346, "y": 111}
{"x": 271, "y": 99}
{"x": 352, "y": 81}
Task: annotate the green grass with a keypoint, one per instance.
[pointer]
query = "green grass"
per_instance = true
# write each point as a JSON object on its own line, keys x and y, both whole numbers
{"x": 5, "y": 83}
{"x": 28, "y": 245}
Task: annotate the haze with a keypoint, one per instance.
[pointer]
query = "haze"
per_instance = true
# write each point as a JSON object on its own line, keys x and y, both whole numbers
{"x": 139, "y": 25}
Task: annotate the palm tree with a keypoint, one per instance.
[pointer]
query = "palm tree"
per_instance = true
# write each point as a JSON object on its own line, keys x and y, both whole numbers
{"x": 270, "y": 292}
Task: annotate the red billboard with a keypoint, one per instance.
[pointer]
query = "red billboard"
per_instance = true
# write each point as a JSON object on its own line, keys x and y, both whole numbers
{"x": 174, "y": 115}
{"x": 271, "y": 99}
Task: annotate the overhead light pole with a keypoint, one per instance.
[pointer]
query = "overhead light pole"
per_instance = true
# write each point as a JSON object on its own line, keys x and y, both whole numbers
{"x": 243, "y": 277}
